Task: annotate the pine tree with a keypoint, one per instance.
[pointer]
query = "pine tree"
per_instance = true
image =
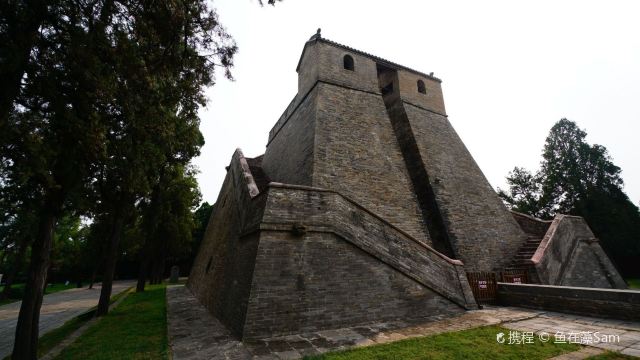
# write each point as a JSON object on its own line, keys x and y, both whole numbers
{"x": 580, "y": 179}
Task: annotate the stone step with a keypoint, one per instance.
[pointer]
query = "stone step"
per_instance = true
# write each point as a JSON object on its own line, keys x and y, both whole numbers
{"x": 528, "y": 252}
{"x": 521, "y": 263}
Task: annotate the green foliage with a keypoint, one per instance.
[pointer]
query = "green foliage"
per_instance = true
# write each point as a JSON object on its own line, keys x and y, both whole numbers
{"x": 68, "y": 246}
{"x": 633, "y": 283}
{"x": 525, "y": 191}
{"x": 580, "y": 179}
{"x": 478, "y": 343}
{"x": 168, "y": 216}
{"x": 135, "y": 329}
{"x": 571, "y": 168}
{"x": 97, "y": 97}
{"x": 201, "y": 220}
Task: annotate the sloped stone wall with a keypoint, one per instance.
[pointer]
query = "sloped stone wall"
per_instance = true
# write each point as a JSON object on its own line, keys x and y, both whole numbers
{"x": 482, "y": 232}
{"x": 570, "y": 255}
{"x": 357, "y": 154}
{"x": 222, "y": 271}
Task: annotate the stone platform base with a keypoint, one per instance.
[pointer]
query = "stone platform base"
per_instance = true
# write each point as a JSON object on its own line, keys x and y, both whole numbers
{"x": 195, "y": 334}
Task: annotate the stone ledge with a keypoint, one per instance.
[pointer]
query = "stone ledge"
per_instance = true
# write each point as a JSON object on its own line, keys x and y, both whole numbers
{"x": 609, "y": 303}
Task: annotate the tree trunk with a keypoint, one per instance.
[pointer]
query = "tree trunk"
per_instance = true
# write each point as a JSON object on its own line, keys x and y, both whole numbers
{"x": 93, "y": 277}
{"x": 157, "y": 268}
{"x": 161, "y": 264}
{"x": 110, "y": 265}
{"x": 26, "y": 340}
{"x": 144, "y": 267}
{"x": 154, "y": 271}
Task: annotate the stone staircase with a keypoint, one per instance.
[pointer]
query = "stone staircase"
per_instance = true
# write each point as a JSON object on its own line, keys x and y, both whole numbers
{"x": 522, "y": 260}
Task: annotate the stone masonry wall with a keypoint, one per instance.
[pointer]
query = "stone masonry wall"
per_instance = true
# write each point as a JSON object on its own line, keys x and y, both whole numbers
{"x": 530, "y": 225}
{"x": 222, "y": 271}
{"x": 617, "y": 304}
{"x": 357, "y": 154}
{"x": 569, "y": 254}
{"x": 483, "y": 233}
{"x": 586, "y": 269}
{"x": 289, "y": 154}
{"x": 432, "y": 99}
{"x": 319, "y": 281}
{"x": 346, "y": 267}
{"x": 327, "y": 210}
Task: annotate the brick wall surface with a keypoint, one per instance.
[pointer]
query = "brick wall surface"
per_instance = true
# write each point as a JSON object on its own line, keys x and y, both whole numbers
{"x": 358, "y": 155}
{"x": 618, "y": 304}
{"x": 222, "y": 271}
{"x": 432, "y": 99}
{"x": 569, "y": 254}
{"x": 483, "y": 233}
{"x": 331, "y": 68}
{"x": 530, "y": 225}
{"x": 289, "y": 154}
{"x": 319, "y": 281}
{"x": 328, "y": 211}
{"x": 585, "y": 270}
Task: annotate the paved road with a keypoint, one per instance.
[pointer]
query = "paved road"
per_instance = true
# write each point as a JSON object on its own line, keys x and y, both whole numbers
{"x": 57, "y": 308}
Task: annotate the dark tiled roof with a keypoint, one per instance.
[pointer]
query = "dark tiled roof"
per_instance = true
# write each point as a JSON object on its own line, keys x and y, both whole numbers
{"x": 318, "y": 38}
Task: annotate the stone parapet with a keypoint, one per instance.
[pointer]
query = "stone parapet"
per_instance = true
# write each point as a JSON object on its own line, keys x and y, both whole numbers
{"x": 570, "y": 254}
{"x": 610, "y": 303}
{"x": 530, "y": 225}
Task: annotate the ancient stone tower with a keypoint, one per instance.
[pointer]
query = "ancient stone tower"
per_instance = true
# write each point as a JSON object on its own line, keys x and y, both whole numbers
{"x": 366, "y": 206}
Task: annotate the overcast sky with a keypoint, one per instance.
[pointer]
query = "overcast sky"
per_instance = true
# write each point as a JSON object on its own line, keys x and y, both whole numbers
{"x": 510, "y": 70}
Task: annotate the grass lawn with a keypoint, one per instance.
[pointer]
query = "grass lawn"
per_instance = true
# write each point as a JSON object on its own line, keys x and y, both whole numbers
{"x": 478, "y": 343}
{"x": 611, "y": 356}
{"x": 49, "y": 340}
{"x": 633, "y": 283}
{"x": 17, "y": 290}
{"x": 135, "y": 329}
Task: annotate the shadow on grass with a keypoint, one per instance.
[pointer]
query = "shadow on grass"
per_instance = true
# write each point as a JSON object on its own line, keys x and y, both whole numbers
{"x": 135, "y": 329}
{"x": 478, "y": 343}
{"x": 52, "y": 338}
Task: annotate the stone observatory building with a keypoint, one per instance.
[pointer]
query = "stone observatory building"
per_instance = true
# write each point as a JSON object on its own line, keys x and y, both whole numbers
{"x": 366, "y": 206}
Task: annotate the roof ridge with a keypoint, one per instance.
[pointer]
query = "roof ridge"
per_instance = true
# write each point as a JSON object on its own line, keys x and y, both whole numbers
{"x": 318, "y": 38}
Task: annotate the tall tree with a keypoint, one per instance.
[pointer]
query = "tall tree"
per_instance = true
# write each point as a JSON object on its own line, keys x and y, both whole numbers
{"x": 580, "y": 179}
{"x": 524, "y": 193}
{"x": 53, "y": 137}
{"x": 91, "y": 70}
{"x": 571, "y": 167}
{"x": 169, "y": 54}
{"x": 168, "y": 222}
